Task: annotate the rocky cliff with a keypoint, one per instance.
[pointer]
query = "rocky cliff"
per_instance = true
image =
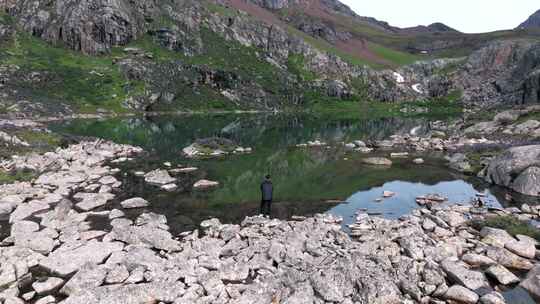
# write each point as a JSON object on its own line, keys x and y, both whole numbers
{"x": 178, "y": 55}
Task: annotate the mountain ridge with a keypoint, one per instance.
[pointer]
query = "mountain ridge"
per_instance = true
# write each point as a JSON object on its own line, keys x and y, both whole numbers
{"x": 532, "y": 22}
{"x": 119, "y": 55}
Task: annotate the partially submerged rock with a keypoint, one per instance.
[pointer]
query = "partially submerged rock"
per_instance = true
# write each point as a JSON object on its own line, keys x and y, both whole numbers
{"x": 205, "y": 184}
{"x": 159, "y": 177}
{"x": 378, "y": 161}
{"x": 213, "y": 147}
{"x": 136, "y": 202}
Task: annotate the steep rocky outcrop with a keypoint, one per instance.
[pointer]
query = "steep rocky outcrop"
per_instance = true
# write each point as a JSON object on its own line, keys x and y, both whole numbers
{"x": 532, "y": 22}
{"x": 90, "y": 26}
{"x": 518, "y": 168}
{"x": 503, "y": 71}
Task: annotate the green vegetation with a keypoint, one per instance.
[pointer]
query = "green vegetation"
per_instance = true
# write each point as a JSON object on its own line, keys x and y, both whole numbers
{"x": 39, "y": 138}
{"x": 220, "y": 9}
{"x": 529, "y": 116}
{"x": 223, "y": 55}
{"x": 296, "y": 65}
{"x": 397, "y": 58}
{"x": 324, "y": 46}
{"x": 511, "y": 224}
{"x": 5, "y": 18}
{"x": 39, "y": 141}
{"x": 19, "y": 176}
{"x": 85, "y": 82}
{"x": 372, "y": 109}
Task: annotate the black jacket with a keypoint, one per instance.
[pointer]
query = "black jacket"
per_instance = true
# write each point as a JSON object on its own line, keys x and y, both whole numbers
{"x": 267, "y": 190}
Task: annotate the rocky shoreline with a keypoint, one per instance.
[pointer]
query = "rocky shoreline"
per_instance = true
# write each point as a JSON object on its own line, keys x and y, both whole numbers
{"x": 56, "y": 254}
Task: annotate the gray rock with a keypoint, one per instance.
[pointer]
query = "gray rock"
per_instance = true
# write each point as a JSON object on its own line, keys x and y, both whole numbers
{"x": 135, "y": 202}
{"x": 146, "y": 236}
{"x": 477, "y": 260}
{"x": 460, "y": 274}
{"x": 492, "y": 298}
{"x": 522, "y": 248}
{"x": 117, "y": 274}
{"x": 65, "y": 261}
{"x": 495, "y": 237}
{"x": 528, "y": 182}
{"x": 452, "y": 218}
{"x": 25, "y": 211}
{"x": 48, "y": 286}
{"x": 8, "y": 274}
{"x": 234, "y": 271}
{"x": 532, "y": 281}
{"x": 13, "y": 300}
{"x": 29, "y": 295}
{"x": 508, "y": 259}
{"x": 115, "y": 213}
{"x": 501, "y": 274}
{"x": 461, "y": 294}
{"x": 152, "y": 219}
{"x": 90, "y": 201}
{"x": 378, "y": 161}
{"x": 429, "y": 225}
{"x": 159, "y": 177}
{"x": 504, "y": 169}
{"x": 507, "y": 117}
{"x": 88, "y": 277}
{"x": 154, "y": 292}
{"x": 46, "y": 300}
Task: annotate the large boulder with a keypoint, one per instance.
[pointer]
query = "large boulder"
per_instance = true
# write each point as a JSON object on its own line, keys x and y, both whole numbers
{"x": 517, "y": 168}
{"x": 90, "y": 26}
{"x": 532, "y": 282}
{"x": 66, "y": 260}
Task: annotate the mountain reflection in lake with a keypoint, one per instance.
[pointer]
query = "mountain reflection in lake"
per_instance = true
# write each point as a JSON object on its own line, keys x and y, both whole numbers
{"x": 306, "y": 181}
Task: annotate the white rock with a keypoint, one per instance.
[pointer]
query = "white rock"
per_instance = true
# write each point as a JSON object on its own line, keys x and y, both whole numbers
{"x": 204, "y": 184}
{"x": 50, "y": 285}
{"x": 135, "y": 202}
{"x": 501, "y": 274}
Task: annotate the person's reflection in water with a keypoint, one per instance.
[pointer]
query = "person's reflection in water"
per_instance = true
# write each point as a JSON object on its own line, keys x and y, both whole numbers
{"x": 267, "y": 191}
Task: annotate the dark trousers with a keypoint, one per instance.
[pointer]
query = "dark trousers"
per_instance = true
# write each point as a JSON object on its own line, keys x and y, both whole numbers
{"x": 266, "y": 207}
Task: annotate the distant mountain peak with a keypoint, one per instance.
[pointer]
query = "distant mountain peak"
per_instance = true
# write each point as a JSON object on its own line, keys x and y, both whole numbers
{"x": 532, "y": 22}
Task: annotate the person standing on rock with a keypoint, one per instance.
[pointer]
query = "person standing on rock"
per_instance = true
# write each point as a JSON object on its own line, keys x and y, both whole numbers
{"x": 267, "y": 191}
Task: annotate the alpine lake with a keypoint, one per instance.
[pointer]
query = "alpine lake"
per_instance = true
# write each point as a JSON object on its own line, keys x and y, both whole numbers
{"x": 306, "y": 180}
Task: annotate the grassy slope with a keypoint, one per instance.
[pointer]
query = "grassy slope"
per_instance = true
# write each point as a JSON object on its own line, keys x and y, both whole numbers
{"x": 85, "y": 82}
{"x": 89, "y": 83}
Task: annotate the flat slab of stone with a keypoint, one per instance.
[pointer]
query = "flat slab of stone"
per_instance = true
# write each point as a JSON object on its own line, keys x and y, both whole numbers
{"x": 458, "y": 273}
{"x": 495, "y": 237}
{"x": 205, "y": 184}
{"x": 522, "y": 248}
{"x": 25, "y": 211}
{"x": 159, "y": 177}
{"x": 62, "y": 178}
{"x": 503, "y": 275}
{"x": 377, "y": 161}
{"x": 88, "y": 277}
{"x": 508, "y": 259}
{"x": 66, "y": 261}
{"x": 147, "y": 236}
{"x": 48, "y": 286}
{"x": 90, "y": 201}
{"x": 140, "y": 293}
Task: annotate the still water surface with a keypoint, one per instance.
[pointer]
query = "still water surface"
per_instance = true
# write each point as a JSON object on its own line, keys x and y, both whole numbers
{"x": 306, "y": 181}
